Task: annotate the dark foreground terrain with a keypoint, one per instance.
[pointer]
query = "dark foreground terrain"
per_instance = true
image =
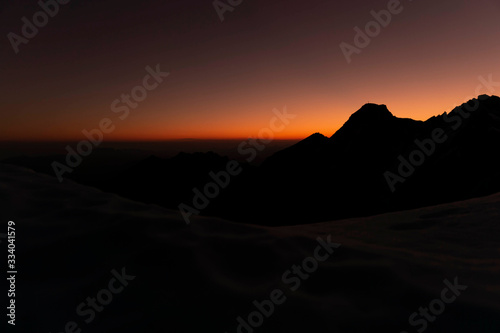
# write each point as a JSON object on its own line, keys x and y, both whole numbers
{"x": 376, "y": 273}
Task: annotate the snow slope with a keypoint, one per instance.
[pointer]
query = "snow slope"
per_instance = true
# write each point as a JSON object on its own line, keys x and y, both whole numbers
{"x": 201, "y": 277}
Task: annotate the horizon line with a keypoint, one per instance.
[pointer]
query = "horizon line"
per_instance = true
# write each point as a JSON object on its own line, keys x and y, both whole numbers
{"x": 146, "y": 140}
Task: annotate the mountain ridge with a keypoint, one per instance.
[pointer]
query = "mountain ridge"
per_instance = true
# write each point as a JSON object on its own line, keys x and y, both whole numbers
{"x": 345, "y": 175}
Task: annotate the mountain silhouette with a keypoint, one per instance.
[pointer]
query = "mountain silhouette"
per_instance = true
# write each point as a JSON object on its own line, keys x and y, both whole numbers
{"x": 343, "y": 176}
{"x": 375, "y": 163}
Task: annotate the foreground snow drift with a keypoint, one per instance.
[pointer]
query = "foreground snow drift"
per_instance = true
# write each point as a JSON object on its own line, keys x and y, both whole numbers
{"x": 77, "y": 245}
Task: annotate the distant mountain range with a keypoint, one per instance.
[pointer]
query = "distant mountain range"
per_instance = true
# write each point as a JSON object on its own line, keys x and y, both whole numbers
{"x": 375, "y": 163}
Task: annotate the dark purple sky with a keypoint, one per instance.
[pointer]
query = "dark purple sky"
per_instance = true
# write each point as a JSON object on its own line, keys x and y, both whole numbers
{"x": 227, "y": 77}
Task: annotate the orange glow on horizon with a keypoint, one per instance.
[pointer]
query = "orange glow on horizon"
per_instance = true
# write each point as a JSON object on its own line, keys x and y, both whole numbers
{"x": 323, "y": 120}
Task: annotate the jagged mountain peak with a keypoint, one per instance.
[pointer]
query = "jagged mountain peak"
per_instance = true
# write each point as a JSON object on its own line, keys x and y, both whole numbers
{"x": 371, "y": 113}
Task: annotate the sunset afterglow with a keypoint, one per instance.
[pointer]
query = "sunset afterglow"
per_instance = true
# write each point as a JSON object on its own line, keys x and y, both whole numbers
{"x": 226, "y": 78}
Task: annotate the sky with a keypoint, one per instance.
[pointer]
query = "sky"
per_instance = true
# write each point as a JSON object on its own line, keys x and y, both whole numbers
{"x": 226, "y": 77}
